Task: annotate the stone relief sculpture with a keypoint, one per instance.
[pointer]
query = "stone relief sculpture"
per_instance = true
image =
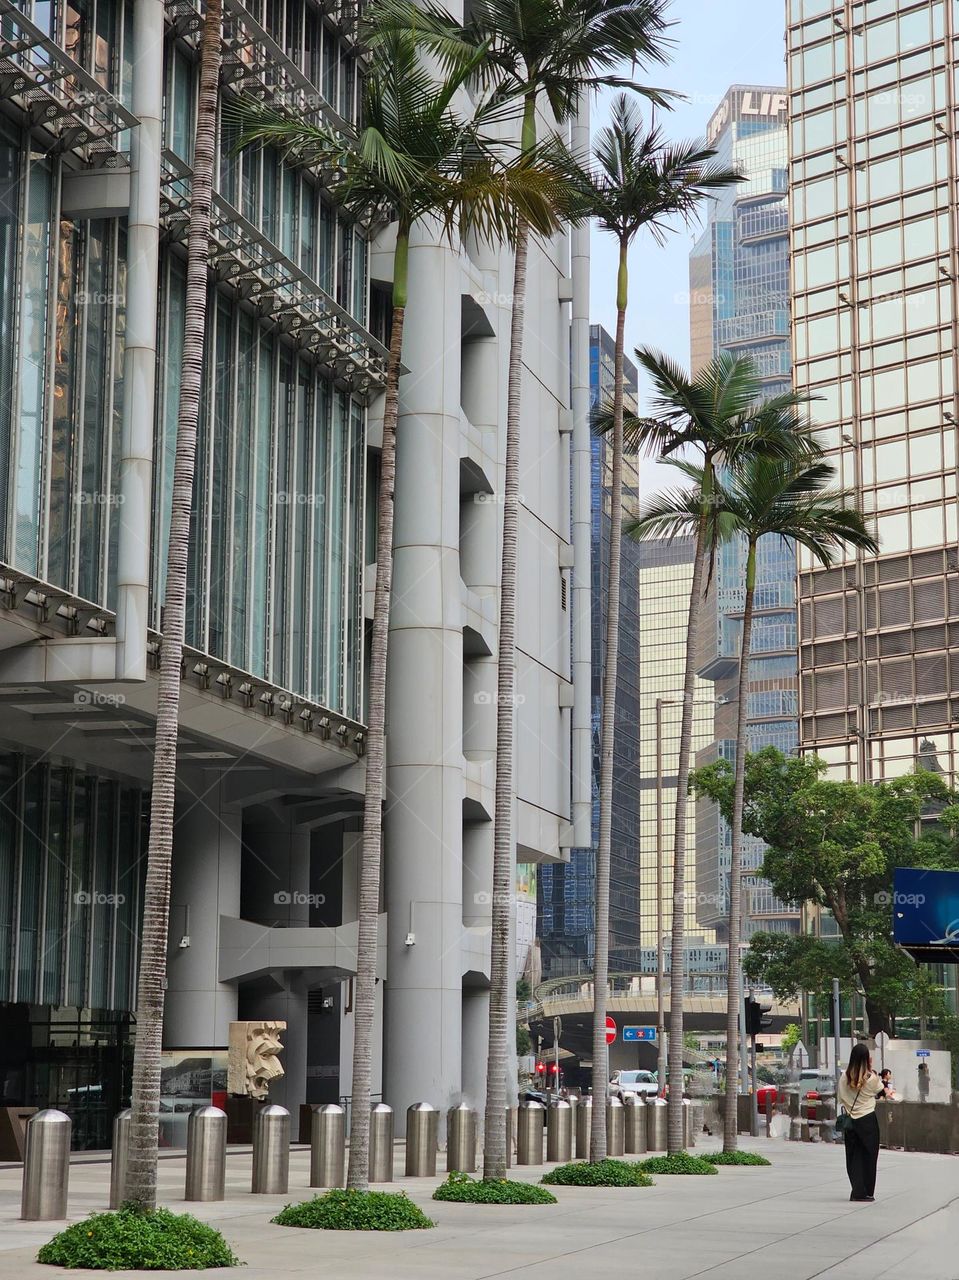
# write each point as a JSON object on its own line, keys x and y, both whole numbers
{"x": 254, "y": 1057}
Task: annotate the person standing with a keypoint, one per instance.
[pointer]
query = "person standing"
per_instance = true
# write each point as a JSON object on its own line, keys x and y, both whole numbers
{"x": 886, "y": 1077}
{"x": 859, "y": 1087}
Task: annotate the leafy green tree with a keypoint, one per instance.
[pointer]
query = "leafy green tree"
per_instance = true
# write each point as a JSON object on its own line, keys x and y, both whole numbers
{"x": 836, "y": 845}
{"x": 791, "y": 1036}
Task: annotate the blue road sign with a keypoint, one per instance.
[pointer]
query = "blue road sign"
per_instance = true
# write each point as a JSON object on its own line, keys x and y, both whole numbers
{"x": 920, "y": 1053}
{"x": 639, "y": 1033}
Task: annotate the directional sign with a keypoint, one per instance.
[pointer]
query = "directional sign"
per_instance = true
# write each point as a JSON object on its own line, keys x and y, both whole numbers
{"x": 610, "y": 1030}
{"x": 923, "y": 1053}
{"x": 639, "y": 1033}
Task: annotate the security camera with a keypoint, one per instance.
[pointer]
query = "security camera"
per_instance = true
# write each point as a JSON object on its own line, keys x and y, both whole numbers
{"x": 410, "y": 939}
{"x": 184, "y": 942}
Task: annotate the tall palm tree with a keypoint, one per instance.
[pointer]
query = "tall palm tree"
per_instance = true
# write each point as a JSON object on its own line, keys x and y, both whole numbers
{"x": 721, "y": 416}
{"x": 638, "y": 181}
{"x": 789, "y": 499}
{"x": 535, "y": 49}
{"x": 414, "y": 157}
{"x": 141, "y": 1187}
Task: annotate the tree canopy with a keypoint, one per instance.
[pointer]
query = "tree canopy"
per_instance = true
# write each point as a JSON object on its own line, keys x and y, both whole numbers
{"x": 837, "y": 844}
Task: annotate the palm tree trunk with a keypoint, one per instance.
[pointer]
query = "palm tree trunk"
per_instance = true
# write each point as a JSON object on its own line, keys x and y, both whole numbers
{"x": 495, "y": 1135}
{"x": 608, "y": 740}
{"x": 364, "y": 994}
{"x": 677, "y": 974}
{"x": 733, "y": 976}
{"x": 151, "y": 983}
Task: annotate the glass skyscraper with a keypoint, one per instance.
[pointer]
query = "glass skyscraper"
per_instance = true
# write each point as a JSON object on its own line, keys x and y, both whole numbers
{"x": 739, "y": 303}
{"x": 566, "y": 900}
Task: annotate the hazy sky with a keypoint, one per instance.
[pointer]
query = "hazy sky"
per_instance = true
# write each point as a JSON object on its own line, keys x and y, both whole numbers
{"x": 717, "y": 43}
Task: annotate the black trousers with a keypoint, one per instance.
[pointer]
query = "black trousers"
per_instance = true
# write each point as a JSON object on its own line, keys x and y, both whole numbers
{"x": 862, "y": 1155}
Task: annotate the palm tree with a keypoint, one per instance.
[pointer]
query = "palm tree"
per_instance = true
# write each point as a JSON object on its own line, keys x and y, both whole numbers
{"x": 639, "y": 181}
{"x": 141, "y": 1187}
{"x": 413, "y": 158}
{"x": 720, "y": 415}
{"x": 788, "y": 499}
{"x": 557, "y": 49}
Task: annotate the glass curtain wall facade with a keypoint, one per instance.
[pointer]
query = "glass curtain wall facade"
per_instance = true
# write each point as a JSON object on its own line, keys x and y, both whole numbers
{"x": 279, "y": 504}
{"x": 739, "y": 303}
{"x": 874, "y": 243}
{"x": 665, "y": 577}
{"x": 874, "y": 265}
{"x": 566, "y": 899}
{"x": 276, "y": 542}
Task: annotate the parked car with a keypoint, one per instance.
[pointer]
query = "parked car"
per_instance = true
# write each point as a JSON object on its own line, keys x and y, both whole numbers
{"x": 644, "y": 1083}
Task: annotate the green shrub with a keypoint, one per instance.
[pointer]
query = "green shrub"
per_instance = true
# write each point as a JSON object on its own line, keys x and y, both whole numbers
{"x": 681, "y": 1162}
{"x": 599, "y": 1173}
{"x": 466, "y": 1190}
{"x": 133, "y": 1241}
{"x": 735, "y": 1157}
{"x": 340, "y": 1210}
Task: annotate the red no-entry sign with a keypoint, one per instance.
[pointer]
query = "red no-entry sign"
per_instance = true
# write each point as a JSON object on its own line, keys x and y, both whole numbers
{"x": 610, "y": 1030}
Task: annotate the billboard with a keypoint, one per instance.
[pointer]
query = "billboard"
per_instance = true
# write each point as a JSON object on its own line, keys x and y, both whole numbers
{"x": 925, "y": 913}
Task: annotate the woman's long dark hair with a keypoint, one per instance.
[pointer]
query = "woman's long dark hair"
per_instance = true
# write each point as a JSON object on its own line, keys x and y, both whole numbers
{"x": 858, "y": 1068}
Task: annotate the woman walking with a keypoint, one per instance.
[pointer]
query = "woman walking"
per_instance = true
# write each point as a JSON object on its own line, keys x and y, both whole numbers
{"x": 859, "y": 1087}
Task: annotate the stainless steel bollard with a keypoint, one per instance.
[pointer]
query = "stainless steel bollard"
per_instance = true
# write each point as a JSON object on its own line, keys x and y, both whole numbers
{"x": 119, "y": 1157}
{"x": 461, "y": 1139}
{"x": 615, "y": 1127}
{"x": 584, "y": 1118}
{"x": 328, "y": 1146}
{"x": 559, "y": 1132}
{"x": 271, "y": 1151}
{"x": 381, "y": 1143}
{"x": 46, "y": 1167}
{"x": 657, "y": 1110}
{"x": 422, "y": 1131}
{"x": 688, "y": 1135}
{"x": 529, "y": 1133}
{"x": 635, "y": 1107}
{"x": 206, "y": 1154}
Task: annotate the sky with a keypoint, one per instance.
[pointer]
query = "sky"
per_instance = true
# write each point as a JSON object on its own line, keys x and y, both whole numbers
{"x": 717, "y": 43}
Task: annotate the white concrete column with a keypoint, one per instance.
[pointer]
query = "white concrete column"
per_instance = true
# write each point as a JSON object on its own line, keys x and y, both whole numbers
{"x": 139, "y": 360}
{"x": 475, "y": 1046}
{"x": 581, "y": 642}
{"x": 205, "y": 885}
{"x": 424, "y": 821}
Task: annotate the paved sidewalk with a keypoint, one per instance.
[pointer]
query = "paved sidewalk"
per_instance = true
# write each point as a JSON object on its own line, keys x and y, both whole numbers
{"x": 793, "y": 1221}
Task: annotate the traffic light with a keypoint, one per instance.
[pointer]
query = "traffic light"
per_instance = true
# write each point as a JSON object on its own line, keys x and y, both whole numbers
{"x": 541, "y": 1068}
{"x": 757, "y": 1018}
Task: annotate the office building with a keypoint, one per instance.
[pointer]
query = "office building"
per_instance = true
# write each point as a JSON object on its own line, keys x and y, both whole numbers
{"x": 567, "y": 906}
{"x": 873, "y": 261}
{"x": 665, "y": 577}
{"x": 96, "y": 123}
{"x": 739, "y": 303}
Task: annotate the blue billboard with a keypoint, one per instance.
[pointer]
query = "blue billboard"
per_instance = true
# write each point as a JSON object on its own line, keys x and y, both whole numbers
{"x": 925, "y": 913}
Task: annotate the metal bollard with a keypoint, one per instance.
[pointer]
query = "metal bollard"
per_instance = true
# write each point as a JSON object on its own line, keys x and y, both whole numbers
{"x": 559, "y": 1132}
{"x": 584, "y": 1118}
{"x": 422, "y": 1129}
{"x": 635, "y": 1108}
{"x": 461, "y": 1139}
{"x": 46, "y": 1167}
{"x": 328, "y": 1146}
{"x": 119, "y": 1157}
{"x": 206, "y": 1154}
{"x": 688, "y": 1137}
{"x": 271, "y": 1151}
{"x": 529, "y": 1133}
{"x": 381, "y": 1143}
{"x": 615, "y": 1127}
{"x": 657, "y": 1111}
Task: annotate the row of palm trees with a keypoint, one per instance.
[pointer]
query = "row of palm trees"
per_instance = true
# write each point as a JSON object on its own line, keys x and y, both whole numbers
{"x": 436, "y": 146}
{"x": 758, "y": 473}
